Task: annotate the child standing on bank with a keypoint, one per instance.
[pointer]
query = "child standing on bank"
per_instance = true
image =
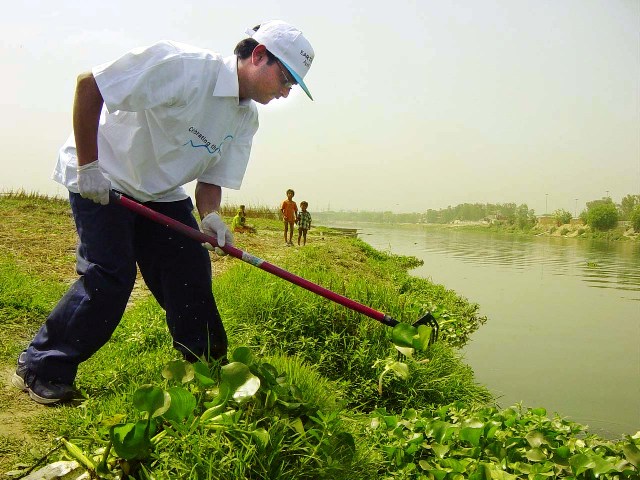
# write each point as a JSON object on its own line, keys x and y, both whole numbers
{"x": 304, "y": 222}
{"x": 289, "y": 211}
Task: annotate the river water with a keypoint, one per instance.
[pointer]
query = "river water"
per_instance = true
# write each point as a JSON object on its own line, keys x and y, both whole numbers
{"x": 563, "y": 329}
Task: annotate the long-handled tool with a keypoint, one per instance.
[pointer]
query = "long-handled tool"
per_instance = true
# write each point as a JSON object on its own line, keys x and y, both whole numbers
{"x": 427, "y": 319}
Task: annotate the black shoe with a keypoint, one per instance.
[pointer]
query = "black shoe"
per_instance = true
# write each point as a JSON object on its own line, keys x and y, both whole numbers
{"x": 19, "y": 378}
{"x": 40, "y": 391}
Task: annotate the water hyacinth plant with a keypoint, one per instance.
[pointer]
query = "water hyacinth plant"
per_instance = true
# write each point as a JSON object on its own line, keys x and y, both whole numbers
{"x": 246, "y": 419}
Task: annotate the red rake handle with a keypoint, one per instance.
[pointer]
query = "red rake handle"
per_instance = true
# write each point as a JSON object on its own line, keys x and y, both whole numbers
{"x": 251, "y": 259}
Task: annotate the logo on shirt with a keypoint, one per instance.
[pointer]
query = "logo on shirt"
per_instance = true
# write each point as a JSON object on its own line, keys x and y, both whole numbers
{"x": 211, "y": 147}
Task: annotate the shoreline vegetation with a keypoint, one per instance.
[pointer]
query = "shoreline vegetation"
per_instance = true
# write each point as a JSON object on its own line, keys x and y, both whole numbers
{"x": 313, "y": 389}
{"x": 569, "y": 230}
{"x": 575, "y": 229}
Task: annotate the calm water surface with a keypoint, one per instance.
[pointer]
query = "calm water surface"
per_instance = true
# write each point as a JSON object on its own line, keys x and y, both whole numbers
{"x": 563, "y": 328}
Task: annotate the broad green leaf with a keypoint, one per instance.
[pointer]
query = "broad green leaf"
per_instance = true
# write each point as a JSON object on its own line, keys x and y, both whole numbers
{"x": 248, "y": 389}
{"x": 438, "y": 474}
{"x": 178, "y": 370}
{"x": 454, "y": 464}
{"x": 221, "y": 398}
{"x": 502, "y": 475}
{"x": 421, "y": 340}
{"x": 536, "y": 455}
{"x": 535, "y": 438}
{"x": 152, "y": 400}
{"x": 410, "y": 414}
{"x": 602, "y": 466}
{"x": 399, "y": 368}
{"x": 243, "y": 355}
{"x": 442, "y": 431}
{"x": 235, "y": 374}
{"x": 632, "y": 454}
{"x": 440, "y": 450}
{"x": 478, "y": 476}
{"x": 398, "y": 432}
{"x": 514, "y": 442}
{"x": 391, "y": 421}
{"x": 406, "y": 351}
{"x": 269, "y": 373}
{"x": 402, "y": 335}
{"x": 473, "y": 423}
{"x": 183, "y": 403}
{"x": 580, "y": 463}
{"x": 203, "y": 375}
{"x": 540, "y": 412}
{"x": 563, "y": 452}
{"x": 471, "y": 435}
{"x": 261, "y": 437}
{"x": 241, "y": 381}
{"x": 131, "y": 440}
{"x": 542, "y": 469}
{"x": 491, "y": 433}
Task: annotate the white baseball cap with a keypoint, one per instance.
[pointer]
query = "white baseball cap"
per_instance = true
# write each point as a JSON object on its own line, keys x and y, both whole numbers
{"x": 289, "y": 46}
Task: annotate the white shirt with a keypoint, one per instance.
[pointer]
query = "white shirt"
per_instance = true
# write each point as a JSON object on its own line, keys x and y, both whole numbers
{"x": 171, "y": 115}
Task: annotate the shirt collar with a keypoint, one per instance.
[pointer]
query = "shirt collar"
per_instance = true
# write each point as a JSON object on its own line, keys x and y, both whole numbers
{"x": 227, "y": 83}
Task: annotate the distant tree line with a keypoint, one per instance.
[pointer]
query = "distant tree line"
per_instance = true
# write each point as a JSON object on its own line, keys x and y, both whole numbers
{"x": 602, "y": 214}
{"x": 367, "y": 216}
{"x": 508, "y": 213}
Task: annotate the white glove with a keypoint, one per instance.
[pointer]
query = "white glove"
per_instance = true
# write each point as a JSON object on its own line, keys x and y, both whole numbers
{"x": 213, "y": 225}
{"x": 92, "y": 184}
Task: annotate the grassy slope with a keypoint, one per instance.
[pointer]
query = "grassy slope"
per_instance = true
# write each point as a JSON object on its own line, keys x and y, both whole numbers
{"x": 37, "y": 241}
{"x": 326, "y": 350}
{"x": 282, "y": 323}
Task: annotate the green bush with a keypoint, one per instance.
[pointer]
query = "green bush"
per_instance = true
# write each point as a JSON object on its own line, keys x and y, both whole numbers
{"x": 562, "y": 217}
{"x": 635, "y": 218}
{"x": 602, "y": 216}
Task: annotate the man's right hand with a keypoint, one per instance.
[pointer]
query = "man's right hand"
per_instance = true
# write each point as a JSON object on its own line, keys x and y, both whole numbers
{"x": 213, "y": 225}
{"x": 92, "y": 184}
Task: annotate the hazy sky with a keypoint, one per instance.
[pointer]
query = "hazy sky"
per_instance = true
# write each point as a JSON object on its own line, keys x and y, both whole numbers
{"x": 418, "y": 104}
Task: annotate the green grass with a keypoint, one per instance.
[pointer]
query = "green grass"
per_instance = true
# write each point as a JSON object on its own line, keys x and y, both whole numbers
{"x": 323, "y": 416}
{"x": 25, "y": 301}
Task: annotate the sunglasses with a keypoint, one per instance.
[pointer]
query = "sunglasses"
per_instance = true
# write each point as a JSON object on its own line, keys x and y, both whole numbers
{"x": 286, "y": 82}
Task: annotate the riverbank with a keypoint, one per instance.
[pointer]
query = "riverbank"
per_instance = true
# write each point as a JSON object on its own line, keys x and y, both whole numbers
{"x": 354, "y": 409}
{"x": 578, "y": 231}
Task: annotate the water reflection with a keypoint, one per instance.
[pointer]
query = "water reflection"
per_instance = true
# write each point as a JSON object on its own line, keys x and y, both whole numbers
{"x": 599, "y": 264}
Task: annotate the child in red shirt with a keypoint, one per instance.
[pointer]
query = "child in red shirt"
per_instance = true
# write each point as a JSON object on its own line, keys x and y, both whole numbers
{"x": 289, "y": 211}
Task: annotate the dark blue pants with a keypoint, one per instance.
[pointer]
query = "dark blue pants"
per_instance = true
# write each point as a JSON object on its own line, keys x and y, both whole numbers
{"x": 113, "y": 240}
